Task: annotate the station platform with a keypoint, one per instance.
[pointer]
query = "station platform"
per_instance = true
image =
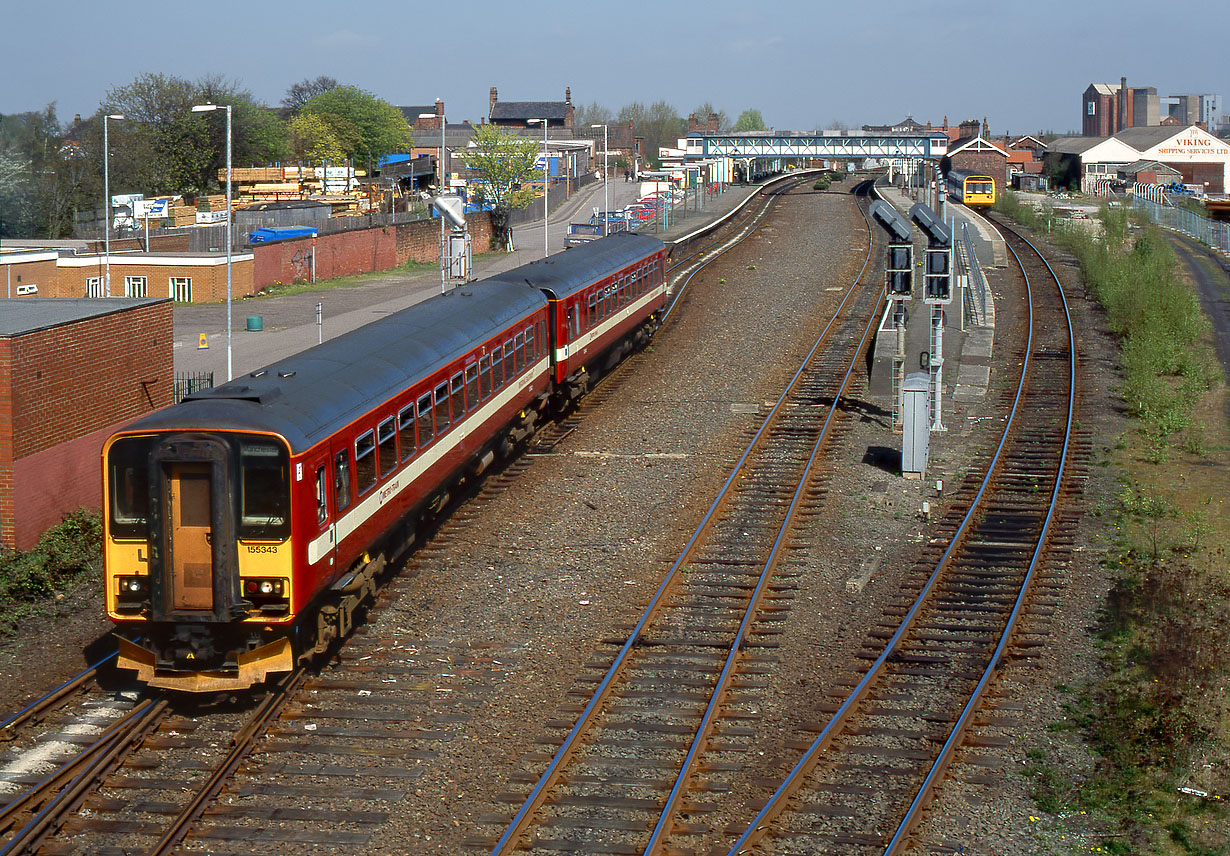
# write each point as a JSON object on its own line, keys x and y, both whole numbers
{"x": 967, "y": 347}
{"x": 288, "y": 322}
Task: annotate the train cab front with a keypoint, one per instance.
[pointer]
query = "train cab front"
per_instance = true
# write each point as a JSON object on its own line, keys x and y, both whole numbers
{"x": 198, "y": 557}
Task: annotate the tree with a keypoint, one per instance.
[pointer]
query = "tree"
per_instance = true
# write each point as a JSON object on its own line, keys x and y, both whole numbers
{"x": 503, "y": 160}
{"x": 300, "y": 93}
{"x": 592, "y": 114}
{"x": 42, "y": 180}
{"x": 750, "y": 120}
{"x": 316, "y": 138}
{"x": 660, "y": 126}
{"x": 703, "y": 112}
{"x": 381, "y": 127}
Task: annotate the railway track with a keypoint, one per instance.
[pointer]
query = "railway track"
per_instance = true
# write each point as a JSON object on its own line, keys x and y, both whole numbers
{"x": 683, "y": 683}
{"x": 155, "y": 775}
{"x": 864, "y": 781}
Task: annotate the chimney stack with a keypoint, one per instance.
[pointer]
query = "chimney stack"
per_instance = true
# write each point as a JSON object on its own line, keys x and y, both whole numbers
{"x": 1123, "y": 105}
{"x": 495, "y": 96}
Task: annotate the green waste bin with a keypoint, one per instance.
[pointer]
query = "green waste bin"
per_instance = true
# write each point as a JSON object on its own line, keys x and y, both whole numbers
{"x": 255, "y": 323}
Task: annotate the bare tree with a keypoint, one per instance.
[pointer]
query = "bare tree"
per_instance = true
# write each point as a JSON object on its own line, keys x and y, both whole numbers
{"x": 300, "y": 93}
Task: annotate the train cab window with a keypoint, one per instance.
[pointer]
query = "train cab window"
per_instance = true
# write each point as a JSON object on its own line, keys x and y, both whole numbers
{"x": 365, "y": 461}
{"x": 424, "y": 423}
{"x": 530, "y": 353}
{"x": 405, "y": 431}
{"x": 472, "y": 387}
{"x": 264, "y": 490}
{"x": 386, "y": 446}
{"x": 459, "y": 398}
{"x": 441, "y": 408}
{"x": 128, "y": 469}
{"x": 509, "y": 370}
{"x": 484, "y": 376}
{"x": 341, "y": 479}
{"x": 497, "y": 367}
{"x": 520, "y": 352}
{"x": 322, "y": 497}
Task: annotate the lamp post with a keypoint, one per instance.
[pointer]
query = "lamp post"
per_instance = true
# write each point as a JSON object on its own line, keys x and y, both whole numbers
{"x": 207, "y": 108}
{"x": 444, "y": 254}
{"x": 107, "y": 206}
{"x": 606, "y": 176}
{"x": 546, "y": 179}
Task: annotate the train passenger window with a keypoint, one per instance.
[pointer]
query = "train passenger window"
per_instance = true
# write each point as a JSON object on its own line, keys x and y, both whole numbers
{"x": 459, "y": 398}
{"x": 405, "y": 430}
{"x": 571, "y": 328}
{"x": 497, "y": 367}
{"x": 386, "y": 450}
{"x": 520, "y": 352}
{"x": 322, "y": 497}
{"x": 593, "y": 311}
{"x": 530, "y": 353}
{"x": 129, "y": 486}
{"x": 341, "y": 479}
{"x": 601, "y": 304}
{"x": 424, "y": 423}
{"x": 471, "y": 387}
{"x": 484, "y": 376}
{"x": 365, "y": 461}
{"x": 441, "y": 408}
{"x": 264, "y": 491}
{"x": 509, "y": 370}
{"x": 623, "y": 292}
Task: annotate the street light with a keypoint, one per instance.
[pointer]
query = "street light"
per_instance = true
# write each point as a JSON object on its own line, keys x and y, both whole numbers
{"x": 445, "y": 256}
{"x": 546, "y": 178}
{"x": 107, "y": 205}
{"x": 208, "y": 108}
{"x": 606, "y": 177}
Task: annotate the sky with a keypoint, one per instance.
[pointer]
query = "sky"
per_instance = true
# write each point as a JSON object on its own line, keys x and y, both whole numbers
{"x": 804, "y": 64}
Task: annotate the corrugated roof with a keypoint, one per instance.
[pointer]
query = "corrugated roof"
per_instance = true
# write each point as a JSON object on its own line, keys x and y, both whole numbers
{"x": 1143, "y": 165}
{"x": 1147, "y": 137}
{"x": 1073, "y": 145}
{"x": 1105, "y": 88}
{"x": 528, "y": 110}
{"x": 22, "y": 315}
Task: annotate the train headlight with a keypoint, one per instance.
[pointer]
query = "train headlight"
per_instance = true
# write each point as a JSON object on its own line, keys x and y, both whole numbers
{"x": 264, "y": 586}
{"x": 133, "y": 585}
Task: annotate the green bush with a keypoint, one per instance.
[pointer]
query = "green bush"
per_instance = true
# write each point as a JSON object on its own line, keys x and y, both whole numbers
{"x": 64, "y": 552}
{"x": 822, "y": 183}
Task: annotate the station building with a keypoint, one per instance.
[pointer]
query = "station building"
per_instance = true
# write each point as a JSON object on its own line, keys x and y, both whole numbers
{"x": 71, "y": 373}
{"x": 1199, "y": 157}
{"x": 183, "y": 277}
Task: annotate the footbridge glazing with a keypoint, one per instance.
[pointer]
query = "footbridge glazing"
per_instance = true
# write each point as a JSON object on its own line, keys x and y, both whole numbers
{"x": 810, "y": 144}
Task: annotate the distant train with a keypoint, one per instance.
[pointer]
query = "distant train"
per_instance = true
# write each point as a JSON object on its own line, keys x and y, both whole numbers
{"x": 971, "y": 188}
{"x": 246, "y": 525}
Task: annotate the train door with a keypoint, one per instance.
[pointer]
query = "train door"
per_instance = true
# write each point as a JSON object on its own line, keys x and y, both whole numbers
{"x": 190, "y": 497}
{"x": 326, "y": 532}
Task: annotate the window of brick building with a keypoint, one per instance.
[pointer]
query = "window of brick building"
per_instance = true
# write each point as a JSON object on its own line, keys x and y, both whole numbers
{"x": 94, "y": 287}
{"x": 136, "y": 286}
{"x": 181, "y": 289}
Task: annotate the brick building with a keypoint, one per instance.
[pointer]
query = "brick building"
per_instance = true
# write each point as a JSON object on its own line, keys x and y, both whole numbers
{"x": 516, "y": 114}
{"x": 185, "y": 277}
{"x": 71, "y": 373}
{"x": 981, "y": 156}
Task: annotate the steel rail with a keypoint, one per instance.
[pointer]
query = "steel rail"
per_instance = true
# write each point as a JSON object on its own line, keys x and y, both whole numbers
{"x": 40, "y": 705}
{"x": 242, "y": 745}
{"x": 78, "y": 776}
{"x": 717, "y": 697}
{"x": 777, "y": 802}
{"x": 509, "y": 839}
{"x": 925, "y": 789}
{"x": 770, "y": 200}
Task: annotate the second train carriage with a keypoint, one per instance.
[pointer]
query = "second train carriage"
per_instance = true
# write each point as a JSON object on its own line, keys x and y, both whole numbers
{"x": 245, "y": 525}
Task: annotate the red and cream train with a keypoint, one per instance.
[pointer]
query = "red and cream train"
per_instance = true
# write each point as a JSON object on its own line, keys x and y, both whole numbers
{"x": 245, "y": 525}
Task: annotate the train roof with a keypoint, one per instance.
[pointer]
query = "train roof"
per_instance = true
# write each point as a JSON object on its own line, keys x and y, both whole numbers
{"x": 566, "y": 273}
{"x": 308, "y": 396}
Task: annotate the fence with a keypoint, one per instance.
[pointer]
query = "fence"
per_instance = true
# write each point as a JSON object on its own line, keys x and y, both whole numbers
{"x": 1211, "y": 233}
{"x": 188, "y": 383}
{"x": 967, "y": 260}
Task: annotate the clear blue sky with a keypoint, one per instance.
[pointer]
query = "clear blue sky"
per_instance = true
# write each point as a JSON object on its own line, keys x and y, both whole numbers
{"x": 803, "y": 64}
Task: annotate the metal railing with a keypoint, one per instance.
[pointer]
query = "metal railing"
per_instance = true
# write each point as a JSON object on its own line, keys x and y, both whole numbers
{"x": 187, "y": 383}
{"x": 967, "y": 264}
{"x": 1211, "y": 233}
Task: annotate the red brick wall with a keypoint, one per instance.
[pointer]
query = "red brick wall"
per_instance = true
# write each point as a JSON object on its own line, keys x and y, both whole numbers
{"x": 359, "y": 251}
{"x": 40, "y": 273}
{"x": 63, "y": 384}
{"x": 55, "y": 482}
{"x": 208, "y": 281}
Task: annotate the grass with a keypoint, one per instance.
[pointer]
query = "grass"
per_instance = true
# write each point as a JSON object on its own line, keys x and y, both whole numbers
{"x": 1159, "y": 719}
{"x": 278, "y": 289}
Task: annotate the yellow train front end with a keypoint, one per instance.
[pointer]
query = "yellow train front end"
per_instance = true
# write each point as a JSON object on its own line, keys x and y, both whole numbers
{"x": 199, "y": 557}
{"x": 978, "y": 191}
